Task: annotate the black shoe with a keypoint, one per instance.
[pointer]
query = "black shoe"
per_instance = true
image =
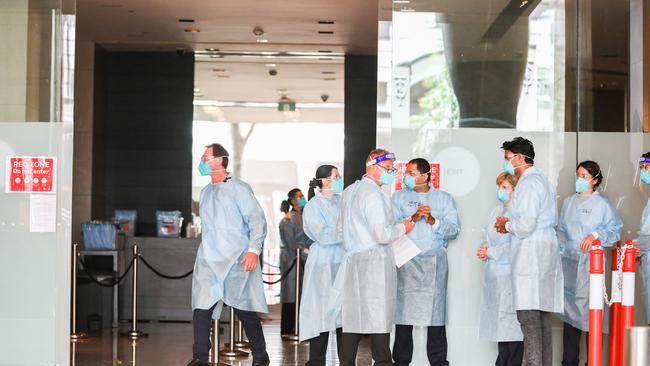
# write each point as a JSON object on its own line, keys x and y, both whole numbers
{"x": 262, "y": 361}
{"x": 197, "y": 362}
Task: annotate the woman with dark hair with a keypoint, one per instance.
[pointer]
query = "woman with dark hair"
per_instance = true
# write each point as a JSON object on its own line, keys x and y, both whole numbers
{"x": 643, "y": 241}
{"x": 292, "y": 237}
{"x": 321, "y": 217}
{"x": 585, "y": 217}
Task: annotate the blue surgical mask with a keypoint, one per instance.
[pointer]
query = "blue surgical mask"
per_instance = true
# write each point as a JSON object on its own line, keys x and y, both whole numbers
{"x": 337, "y": 186}
{"x": 508, "y": 168}
{"x": 387, "y": 178}
{"x": 645, "y": 177}
{"x": 409, "y": 182}
{"x": 581, "y": 185}
{"x": 502, "y": 195}
{"x": 302, "y": 202}
{"x": 204, "y": 168}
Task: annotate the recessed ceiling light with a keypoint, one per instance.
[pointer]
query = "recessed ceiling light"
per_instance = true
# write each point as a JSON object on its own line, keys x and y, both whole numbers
{"x": 262, "y": 40}
{"x": 401, "y": 1}
{"x": 186, "y": 20}
{"x": 212, "y": 49}
{"x": 325, "y": 32}
{"x": 219, "y": 70}
{"x": 270, "y": 65}
{"x": 192, "y": 30}
{"x": 325, "y": 22}
{"x": 196, "y": 90}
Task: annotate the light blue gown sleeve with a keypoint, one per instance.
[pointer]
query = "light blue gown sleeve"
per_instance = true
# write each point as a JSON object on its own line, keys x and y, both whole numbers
{"x": 253, "y": 216}
{"x": 448, "y": 226}
{"x": 609, "y": 230}
{"x": 643, "y": 241}
{"x": 500, "y": 252}
{"x": 382, "y": 226}
{"x": 527, "y": 204}
{"x": 561, "y": 226}
{"x": 317, "y": 228}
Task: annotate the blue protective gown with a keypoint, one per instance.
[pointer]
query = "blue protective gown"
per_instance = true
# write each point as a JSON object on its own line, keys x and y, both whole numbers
{"x": 536, "y": 266}
{"x": 579, "y": 217}
{"x": 365, "y": 287}
{"x": 643, "y": 266}
{"x": 232, "y": 224}
{"x": 320, "y": 221}
{"x": 497, "y": 317}
{"x": 422, "y": 281}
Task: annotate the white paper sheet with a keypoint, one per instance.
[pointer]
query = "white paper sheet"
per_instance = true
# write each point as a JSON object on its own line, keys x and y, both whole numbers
{"x": 42, "y": 213}
{"x": 404, "y": 250}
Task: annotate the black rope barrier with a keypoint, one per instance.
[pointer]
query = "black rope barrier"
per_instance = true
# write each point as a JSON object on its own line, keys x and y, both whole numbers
{"x": 271, "y": 265}
{"x": 168, "y": 277}
{"x": 282, "y": 275}
{"x": 104, "y": 284}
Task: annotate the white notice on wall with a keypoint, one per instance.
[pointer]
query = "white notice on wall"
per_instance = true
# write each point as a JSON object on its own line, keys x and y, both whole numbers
{"x": 42, "y": 213}
{"x": 404, "y": 250}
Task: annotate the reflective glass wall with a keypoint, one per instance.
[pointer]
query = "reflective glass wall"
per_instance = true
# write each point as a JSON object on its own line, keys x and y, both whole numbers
{"x": 36, "y": 105}
{"x": 457, "y": 78}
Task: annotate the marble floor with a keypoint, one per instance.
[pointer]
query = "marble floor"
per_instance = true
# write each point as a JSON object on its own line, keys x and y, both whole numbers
{"x": 170, "y": 344}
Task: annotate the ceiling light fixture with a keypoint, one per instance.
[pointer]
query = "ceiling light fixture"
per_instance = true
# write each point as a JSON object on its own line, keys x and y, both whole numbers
{"x": 401, "y": 1}
{"x": 325, "y": 32}
{"x": 262, "y": 40}
{"x": 192, "y": 30}
{"x": 187, "y": 20}
{"x": 196, "y": 90}
{"x": 258, "y": 31}
{"x": 270, "y": 65}
{"x": 212, "y": 49}
{"x": 326, "y": 22}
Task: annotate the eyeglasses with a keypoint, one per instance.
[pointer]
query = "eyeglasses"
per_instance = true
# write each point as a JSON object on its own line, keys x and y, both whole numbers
{"x": 205, "y": 159}
{"x": 389, "y": 170}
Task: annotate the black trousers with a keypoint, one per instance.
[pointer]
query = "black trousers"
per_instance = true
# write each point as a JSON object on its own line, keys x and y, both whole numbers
{"x": 288, "y": 318}
{"x": 318, "y": 348}
{"x": 202, "y": 321}
{"x": 510, "y": 354}
{"x": 436, "y": 345}
{"x": 571, "y": 340}
{"x": 379, "y": 348}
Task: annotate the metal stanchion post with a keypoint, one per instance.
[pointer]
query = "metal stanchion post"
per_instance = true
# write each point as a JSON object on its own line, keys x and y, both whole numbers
{"x": 637, "y": 346}
{"x": 135, "y": 333}
{"x": 75, "y": 336}
{"x": 214, "y": 351}
{"x": 240, "y": 343}
{"x": 294, "y": 337}
{"x": 230, "y": 350}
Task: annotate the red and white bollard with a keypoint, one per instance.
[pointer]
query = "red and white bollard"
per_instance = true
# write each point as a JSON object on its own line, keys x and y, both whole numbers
{"x": 596, "y": 281}
{"x": 615, "y": 330}
{"x": 627, "y": 300}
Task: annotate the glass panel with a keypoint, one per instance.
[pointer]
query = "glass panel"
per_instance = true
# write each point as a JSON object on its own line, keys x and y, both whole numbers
{"x": 31, "y": 60}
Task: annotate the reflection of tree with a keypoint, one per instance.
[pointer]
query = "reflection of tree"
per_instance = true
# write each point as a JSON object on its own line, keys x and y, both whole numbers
{"x": 438, "y": 109}
{"x": 239, "y": 143}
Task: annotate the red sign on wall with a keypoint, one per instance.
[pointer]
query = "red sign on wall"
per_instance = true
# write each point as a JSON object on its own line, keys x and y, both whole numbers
{"x": 27, "y": 174}
{"x": 401, "y": 171}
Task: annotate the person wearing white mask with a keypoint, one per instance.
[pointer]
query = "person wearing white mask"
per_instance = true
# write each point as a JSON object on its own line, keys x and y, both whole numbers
{"x": 320, "y": 221}
{"x": 538, "y": 286}
{"x": 365, "y": 288}
{"x": 497, "y": 317}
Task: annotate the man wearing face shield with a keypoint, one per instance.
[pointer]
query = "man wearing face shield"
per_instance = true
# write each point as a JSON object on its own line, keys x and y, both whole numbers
{"x": 643, "y": 241}
{"x": 226, "y": 268}
{"x": 538, "y": 285}
{"x": 422, "y": 281}
{"x": 365, "y": 288}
